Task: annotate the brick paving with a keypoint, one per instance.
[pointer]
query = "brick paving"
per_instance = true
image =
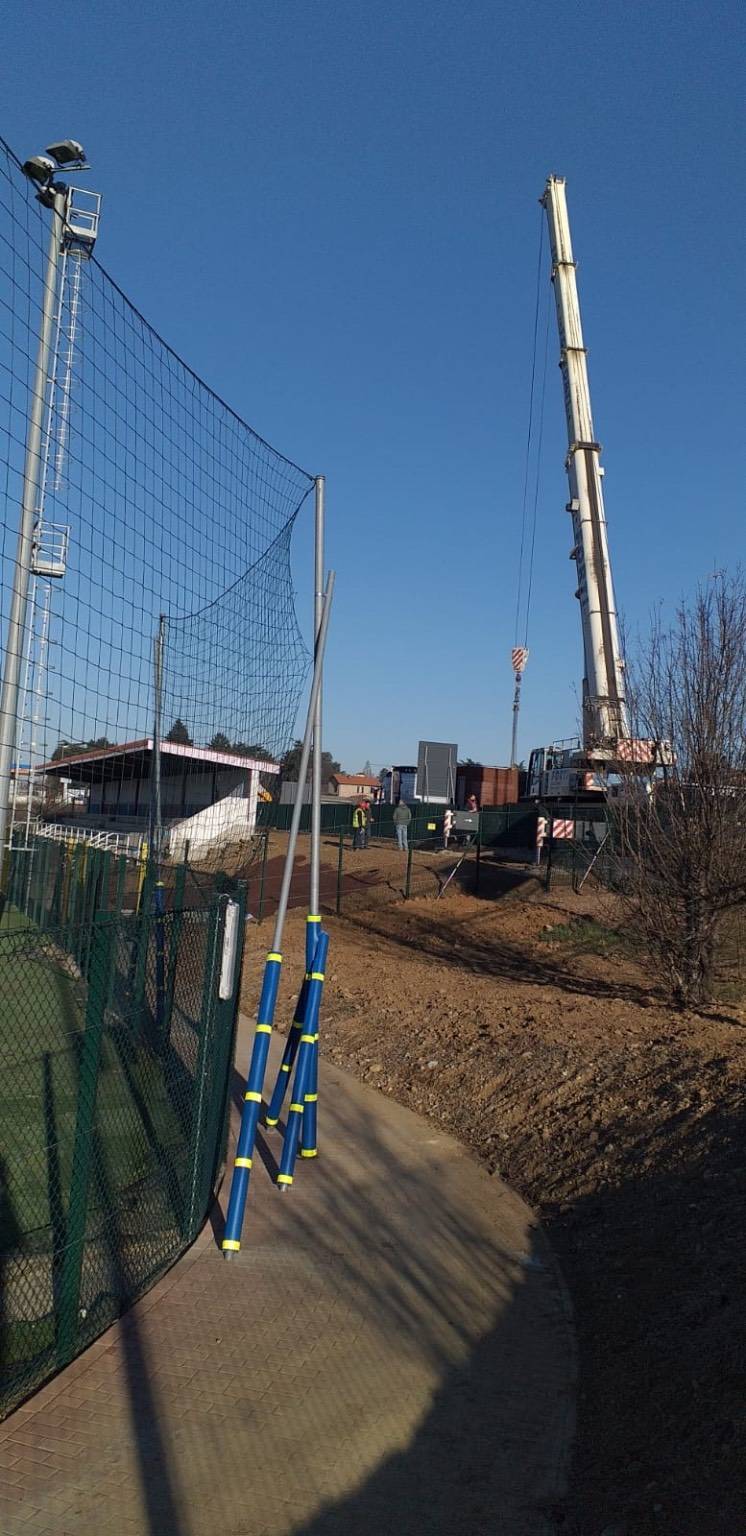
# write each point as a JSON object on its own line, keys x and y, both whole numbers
{"x": 391, "y": 1352}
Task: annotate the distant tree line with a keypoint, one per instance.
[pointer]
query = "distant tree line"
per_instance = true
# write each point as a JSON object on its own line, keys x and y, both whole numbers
{"x": 74, "y": 748}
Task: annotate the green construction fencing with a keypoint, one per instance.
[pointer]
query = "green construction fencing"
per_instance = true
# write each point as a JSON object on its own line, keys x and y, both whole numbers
{"x": 116, "y": 1046}
{"x": 589, "y": 855}
{"x": 338, "y": 818}
{"x": 502, "y": 826}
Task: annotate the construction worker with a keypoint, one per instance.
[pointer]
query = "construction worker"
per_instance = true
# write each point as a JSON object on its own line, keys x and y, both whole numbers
{"x": 368, "y": 823}
{"x": 402, "y": 818}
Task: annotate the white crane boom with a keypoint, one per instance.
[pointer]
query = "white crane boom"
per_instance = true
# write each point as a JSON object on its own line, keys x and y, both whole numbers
{"x": 604, "y": 708}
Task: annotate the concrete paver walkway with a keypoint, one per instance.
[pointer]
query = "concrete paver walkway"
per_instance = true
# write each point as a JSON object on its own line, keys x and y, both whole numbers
{"x": 391, "y": 1352}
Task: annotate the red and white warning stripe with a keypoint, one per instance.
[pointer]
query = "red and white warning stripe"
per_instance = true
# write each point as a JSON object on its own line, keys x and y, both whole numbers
{"x": 518, "y": 658}
{"x": 635, "y": 750}
{"x": 562, "y": 828}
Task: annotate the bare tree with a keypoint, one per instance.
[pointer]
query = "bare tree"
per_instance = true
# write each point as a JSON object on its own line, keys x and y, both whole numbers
{"x": 683, "y": 838}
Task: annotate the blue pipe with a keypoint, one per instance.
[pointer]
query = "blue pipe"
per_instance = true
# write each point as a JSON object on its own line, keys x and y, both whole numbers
{"x": 304, "y": 1063}
{"x": 295, "y": 1031}
{"x": 252, "y": 1106}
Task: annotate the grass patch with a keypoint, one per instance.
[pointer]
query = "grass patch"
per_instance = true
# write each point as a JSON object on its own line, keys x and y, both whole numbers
{"x": 583, "y": 935}
{"x": 140, "y": 1135}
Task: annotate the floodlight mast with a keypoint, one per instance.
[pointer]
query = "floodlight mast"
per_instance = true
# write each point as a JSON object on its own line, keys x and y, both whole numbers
{"x": 57, "y": 196}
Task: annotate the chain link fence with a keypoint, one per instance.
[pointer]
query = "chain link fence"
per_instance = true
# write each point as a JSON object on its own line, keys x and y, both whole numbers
{"x": 116, "y": 1044}
{"x": 354, "y": 878}
{"x": 580, "y": 849}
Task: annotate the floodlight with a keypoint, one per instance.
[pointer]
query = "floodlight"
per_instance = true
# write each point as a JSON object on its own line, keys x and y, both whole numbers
{"x": 67, "y": 152}
{"x": 39, "y": 168}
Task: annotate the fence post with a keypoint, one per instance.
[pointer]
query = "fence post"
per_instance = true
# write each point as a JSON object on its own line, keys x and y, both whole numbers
{"x": 227, "y": 1020}
{"x": 550, "y": 851}
{"x": 260, "y": 912}
{"x": 174, "y": 942}
{"x": 80, "y": 1176}
{"x": 478, "y": 869}
{"x": 66, "y": 885}
{"x": 93, "y": 894}
{"x": 55, "y": 913}
{"x": 73, "y": 902}
{"x": 159, "y": 915}
{"x": 340, "y": 859}
{"x": 121, "y": 878}
{"x": 143, "y": 921}
{"x": 215, "y": 927}
{"x": 44, "y": 901}
{"x": 408, "y": 881}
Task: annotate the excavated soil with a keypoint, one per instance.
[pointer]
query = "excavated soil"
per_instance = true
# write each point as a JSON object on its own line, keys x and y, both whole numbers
{"x": 529, "y": 1031}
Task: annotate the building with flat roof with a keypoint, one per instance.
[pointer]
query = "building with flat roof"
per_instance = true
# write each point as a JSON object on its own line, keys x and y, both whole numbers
{"x": 206, "y": 796}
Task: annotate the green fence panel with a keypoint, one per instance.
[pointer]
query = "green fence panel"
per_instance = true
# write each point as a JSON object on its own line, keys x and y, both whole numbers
{"x": 112, "y": 1134}
{"x": 508, "y": 826}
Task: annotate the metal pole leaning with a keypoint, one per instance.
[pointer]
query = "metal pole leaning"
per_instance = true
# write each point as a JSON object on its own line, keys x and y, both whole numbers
{"x": 304, "y": 1064}
{"x": 314, "y": 936}
{"x": 296, "y": 1028}
{"x": 265, "y": 1018}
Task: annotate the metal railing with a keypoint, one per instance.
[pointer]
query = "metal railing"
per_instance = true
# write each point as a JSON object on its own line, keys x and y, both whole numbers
{"x": 66, "y": 832}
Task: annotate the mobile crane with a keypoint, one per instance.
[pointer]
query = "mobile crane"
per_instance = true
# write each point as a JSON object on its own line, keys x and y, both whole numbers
{"x": 571, "y": 767}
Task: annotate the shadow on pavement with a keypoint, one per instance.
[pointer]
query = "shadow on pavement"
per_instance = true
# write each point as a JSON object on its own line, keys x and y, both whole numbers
{"x": 469, "y": 1467}
{"x": 431, "y": 1342}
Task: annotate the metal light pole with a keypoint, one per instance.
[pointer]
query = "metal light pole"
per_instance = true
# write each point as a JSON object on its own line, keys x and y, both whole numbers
{"x": 31, "y": 482}
{"x": 318, "y": 604}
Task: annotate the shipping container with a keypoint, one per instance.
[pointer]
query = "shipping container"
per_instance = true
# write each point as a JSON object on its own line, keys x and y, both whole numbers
{"x": 492, "y": 786}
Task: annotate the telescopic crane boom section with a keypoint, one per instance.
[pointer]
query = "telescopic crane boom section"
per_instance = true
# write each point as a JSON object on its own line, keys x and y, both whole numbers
{"x": 604, "y": 708}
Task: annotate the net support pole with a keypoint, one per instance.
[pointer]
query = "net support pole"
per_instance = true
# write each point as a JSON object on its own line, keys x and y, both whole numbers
{"x": 32, "y": 471}
{"x": 318, "y": 604}
{"x": 313, "y": 924}
{"x": 307, "y": 1045}
{"x": 260, "y": 1050}
{"x": 156, "y": 802}
{"x": 282, "y": 904}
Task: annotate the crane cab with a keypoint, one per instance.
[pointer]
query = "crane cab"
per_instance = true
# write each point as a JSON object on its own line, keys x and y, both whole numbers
{"x": 561, "y": 771}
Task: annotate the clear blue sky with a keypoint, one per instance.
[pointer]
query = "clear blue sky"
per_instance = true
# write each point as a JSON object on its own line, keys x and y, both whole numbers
{"x": 330, "y": 209}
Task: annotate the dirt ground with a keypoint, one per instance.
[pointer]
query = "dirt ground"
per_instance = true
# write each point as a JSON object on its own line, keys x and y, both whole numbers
{"x": 521, "y": 1023}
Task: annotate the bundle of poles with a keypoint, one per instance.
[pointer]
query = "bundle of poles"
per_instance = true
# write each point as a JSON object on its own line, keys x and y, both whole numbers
{"x": 299, "y": 1068}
